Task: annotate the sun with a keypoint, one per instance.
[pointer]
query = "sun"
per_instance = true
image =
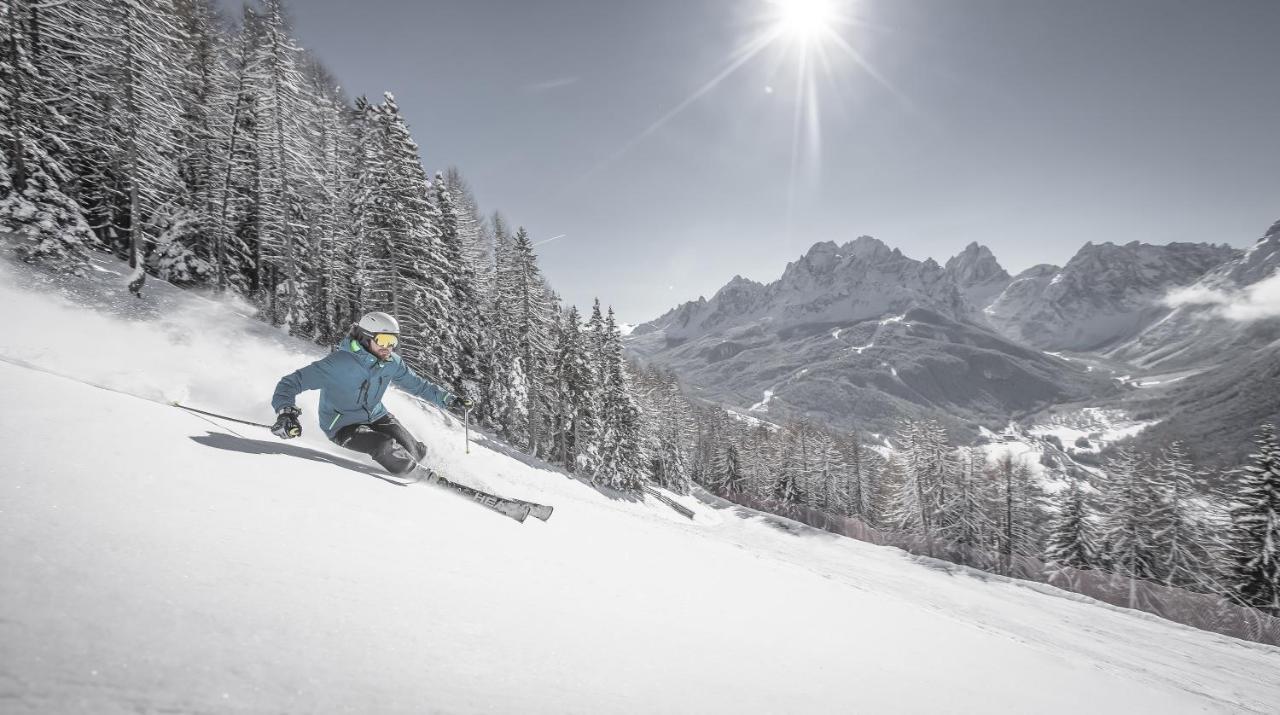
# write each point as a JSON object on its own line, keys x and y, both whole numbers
{"x": 804, "y": 20}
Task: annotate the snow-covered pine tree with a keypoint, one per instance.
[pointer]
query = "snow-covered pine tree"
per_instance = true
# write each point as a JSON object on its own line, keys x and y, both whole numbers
{"x": 802, "y": 436}
{"x": 1071, "y": 542}
{"x": 623, "y": 462}
{"x": 761, "y": 455}
{"x": 474, "y": 231}
{"x": 501, "y": 235}
{"x": 68, "y": 99}
{"x": 131, "y": 58}
{"x": 1127, "y": 523}
{"x": 1255, "y": 533}
{"x": 850, "y": 480}
{"x": 590, "y": 436}
{"x": 911, "y": 471}
{"x": 789, "y": 471}
{"x": 277, "y": 84}
{"x": 334, "y": 301}
{"x": 32, "y": 202}
{"x": 186, "y": 249}
{"x": 936, "y": 465}
{"x": 876, "y": 488}
{"x": 1179, "y": 534}
{"x": 463, "y": 373}
{"x": 830, "y": 469}
{"x": 372, "y": 223}
{"x": 677, "y": 437}
{"x": 710, "y": 451}
{"x": 526, "y": 329}
{"x": 404, "y": 267}
{"x": 1017, "y": 510}
{"x": 668, "y": 430}
{"x": 574, "y": 421}
{"x": 499, "y": 341}
{"x": 235, "y": 241}
{"x": 175, "y": 258}
{"x": 968, "y": 501}
{"x": 733, "y": 480}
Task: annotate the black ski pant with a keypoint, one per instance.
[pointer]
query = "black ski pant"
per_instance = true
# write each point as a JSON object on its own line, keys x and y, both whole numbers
{"x": 386, "y": 440}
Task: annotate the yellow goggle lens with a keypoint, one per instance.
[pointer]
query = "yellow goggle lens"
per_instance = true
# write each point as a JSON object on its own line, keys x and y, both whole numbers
{"x": 385, "y": 340}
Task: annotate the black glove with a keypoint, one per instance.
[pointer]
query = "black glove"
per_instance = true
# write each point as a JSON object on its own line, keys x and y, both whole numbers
{"x": 461, "y": 401}
{"x": 287, "y": 425}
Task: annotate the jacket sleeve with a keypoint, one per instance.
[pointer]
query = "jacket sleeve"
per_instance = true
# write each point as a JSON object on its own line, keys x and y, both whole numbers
{"x": 409, "y": 381}
{"x": 311, "y": 377}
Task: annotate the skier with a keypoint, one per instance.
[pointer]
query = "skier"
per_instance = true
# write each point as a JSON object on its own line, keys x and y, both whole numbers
{"x": 352, "y": 380}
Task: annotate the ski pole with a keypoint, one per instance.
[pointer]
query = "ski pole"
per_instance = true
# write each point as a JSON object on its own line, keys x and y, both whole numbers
{"x": 466, "y": 421}
{"x": 221, "y": 417}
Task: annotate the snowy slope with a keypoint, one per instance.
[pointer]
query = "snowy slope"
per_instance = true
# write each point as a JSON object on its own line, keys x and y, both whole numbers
{"x": 157, "y": 561}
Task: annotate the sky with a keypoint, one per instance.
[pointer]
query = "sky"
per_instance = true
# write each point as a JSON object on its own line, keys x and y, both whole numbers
{"x": 1029, "y": 126}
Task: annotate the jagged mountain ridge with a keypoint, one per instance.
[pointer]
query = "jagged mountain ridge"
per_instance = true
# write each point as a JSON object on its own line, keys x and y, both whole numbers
{"x": 860, "y": 280}
{"x": 1224, "y": 368}
{"x": 1106, "y": 293}
{"x": 858, "y": 334}
{"x": 1193, "y": 333}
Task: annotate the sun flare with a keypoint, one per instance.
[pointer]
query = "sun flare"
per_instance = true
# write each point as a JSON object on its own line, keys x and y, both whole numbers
{"x": 806, "y": 44}
{"x": 805, "y": 19}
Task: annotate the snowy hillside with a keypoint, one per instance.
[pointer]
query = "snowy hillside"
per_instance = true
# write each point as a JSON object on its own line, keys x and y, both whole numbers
{"x": 155, "y": 560}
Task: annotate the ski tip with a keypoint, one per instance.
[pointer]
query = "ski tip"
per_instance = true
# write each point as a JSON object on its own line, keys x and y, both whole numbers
{"x": 541, "y": 511}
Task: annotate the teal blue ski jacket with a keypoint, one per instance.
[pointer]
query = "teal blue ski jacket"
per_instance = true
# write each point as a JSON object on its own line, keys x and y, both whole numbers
{"x": 352, "y": 381}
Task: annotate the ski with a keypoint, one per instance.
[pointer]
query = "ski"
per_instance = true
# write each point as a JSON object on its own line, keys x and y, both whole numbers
{"x": 506, "y": 505}
{"x": 517, "y": 509}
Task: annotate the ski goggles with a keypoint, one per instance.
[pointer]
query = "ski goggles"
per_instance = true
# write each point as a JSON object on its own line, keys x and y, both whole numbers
{"x": 386, "y": 340}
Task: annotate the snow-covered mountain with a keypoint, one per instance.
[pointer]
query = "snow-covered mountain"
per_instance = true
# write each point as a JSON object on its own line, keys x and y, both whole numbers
{"x": 1104, "y": 294}
{"x": 1200, "y": 327}
{"x": 859, "y": 335}
{"x": 155, "y": 560}
{"x": 978, "y": 274}
{"x": 836, "y": 284}
{"x": 1215, "y": 356}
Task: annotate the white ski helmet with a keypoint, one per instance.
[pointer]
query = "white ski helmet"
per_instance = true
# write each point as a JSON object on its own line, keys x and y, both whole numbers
{"x": 374, "y": 323}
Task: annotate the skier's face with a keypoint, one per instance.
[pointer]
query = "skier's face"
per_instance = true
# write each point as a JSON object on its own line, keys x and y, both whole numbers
{"x": 383, "y": 353}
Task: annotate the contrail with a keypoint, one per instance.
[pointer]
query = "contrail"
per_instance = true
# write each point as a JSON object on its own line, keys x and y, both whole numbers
{"x": 549, "y": 240}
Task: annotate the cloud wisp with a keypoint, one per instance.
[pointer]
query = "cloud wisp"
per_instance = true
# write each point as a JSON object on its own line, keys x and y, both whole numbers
{"x": 1258, "y": 301}
{"x": 551, "y": 84}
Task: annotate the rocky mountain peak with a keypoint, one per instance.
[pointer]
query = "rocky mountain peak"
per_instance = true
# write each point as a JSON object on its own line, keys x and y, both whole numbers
{"x": 975, "y": 264}
{"x": 1105, "y": 294}
{"x": 977, "y": 274}
{"x": 866, "y": 247}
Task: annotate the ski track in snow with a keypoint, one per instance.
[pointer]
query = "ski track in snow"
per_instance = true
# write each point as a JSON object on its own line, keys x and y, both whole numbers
{"x": 156, "y": 561}
{"x": 763, "y": 405}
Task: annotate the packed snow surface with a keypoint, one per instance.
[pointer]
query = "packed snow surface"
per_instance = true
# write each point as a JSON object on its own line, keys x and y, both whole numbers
{"x": 157, "y": 561}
